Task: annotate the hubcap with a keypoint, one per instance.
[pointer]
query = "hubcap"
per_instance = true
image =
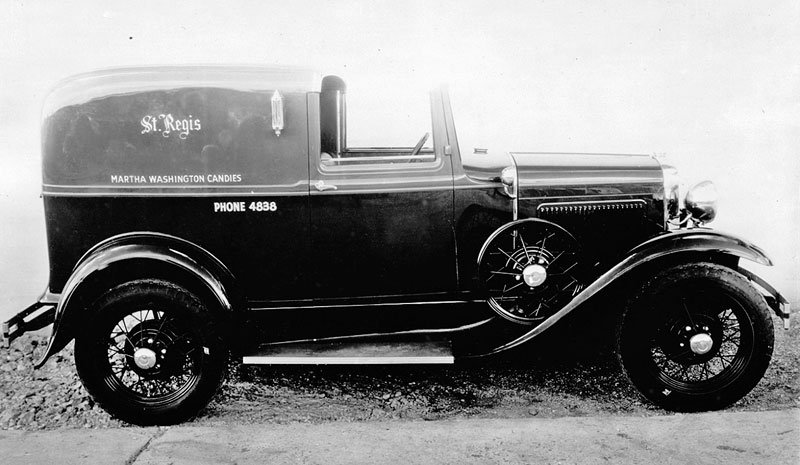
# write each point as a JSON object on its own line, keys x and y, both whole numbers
{"x": 701, "y": 343}
{"x": 144, "y": 358}
{"x": 534, "y": 275}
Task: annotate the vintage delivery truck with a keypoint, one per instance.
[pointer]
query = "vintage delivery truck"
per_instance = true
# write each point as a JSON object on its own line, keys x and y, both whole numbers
{"x": 199, "y": 213}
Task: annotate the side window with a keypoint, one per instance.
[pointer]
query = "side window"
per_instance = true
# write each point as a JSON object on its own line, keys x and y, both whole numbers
{"x": 374, "y": 126}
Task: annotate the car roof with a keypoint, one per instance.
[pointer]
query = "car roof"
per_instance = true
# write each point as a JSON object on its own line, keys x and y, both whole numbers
{"x": 114, "y": 81}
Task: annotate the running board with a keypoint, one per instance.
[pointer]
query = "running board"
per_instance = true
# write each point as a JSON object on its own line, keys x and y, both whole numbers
{"x": 353, "y": 353}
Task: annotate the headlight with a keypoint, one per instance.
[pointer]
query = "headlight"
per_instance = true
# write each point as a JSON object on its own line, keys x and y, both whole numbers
{"x": 701, "y": 201}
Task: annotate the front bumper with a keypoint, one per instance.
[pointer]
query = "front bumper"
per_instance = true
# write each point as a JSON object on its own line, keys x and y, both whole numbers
{"x": 36, "y": 316}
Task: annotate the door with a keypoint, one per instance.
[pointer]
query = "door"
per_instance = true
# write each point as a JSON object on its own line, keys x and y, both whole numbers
{"x": 382, "y": 218}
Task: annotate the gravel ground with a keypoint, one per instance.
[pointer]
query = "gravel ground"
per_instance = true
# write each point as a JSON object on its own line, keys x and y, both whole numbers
{"x": 582, "y": 381}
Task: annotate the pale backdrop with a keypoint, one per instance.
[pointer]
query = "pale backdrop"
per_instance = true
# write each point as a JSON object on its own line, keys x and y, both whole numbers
{"x": 715, "y": 85}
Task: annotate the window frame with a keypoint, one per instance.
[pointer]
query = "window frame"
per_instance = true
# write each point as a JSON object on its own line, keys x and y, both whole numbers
{"x": 397, "y": 158}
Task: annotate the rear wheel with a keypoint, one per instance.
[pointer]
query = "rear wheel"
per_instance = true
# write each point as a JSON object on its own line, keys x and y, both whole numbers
{"x": 696, "y": 337}
{"x": 150, "y": 353}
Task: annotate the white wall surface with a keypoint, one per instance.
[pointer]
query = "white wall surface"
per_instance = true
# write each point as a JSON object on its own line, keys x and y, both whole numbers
{"x": 715, "y": 85}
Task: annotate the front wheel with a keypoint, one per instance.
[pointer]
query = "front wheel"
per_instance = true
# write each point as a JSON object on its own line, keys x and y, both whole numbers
{"x": 696, "y": 337}
{"x": 150, "y": 353}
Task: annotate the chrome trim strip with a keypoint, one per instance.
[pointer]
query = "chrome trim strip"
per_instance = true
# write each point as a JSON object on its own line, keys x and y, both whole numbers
{"x": 175, "y": 194}
{"x": 367, "y": 169}
{"x": 397, "y": 150}
{"x": 378, "y": 304}
{"x": 595, "y": 180}
{"x": 176, "y": 186}
{"x": 345, "y": 160}
{"x": 372, "y": 190}
{"x": 585, "y": 153}
{"x": 341, "y": 191}
{"x": 278, "y": 360}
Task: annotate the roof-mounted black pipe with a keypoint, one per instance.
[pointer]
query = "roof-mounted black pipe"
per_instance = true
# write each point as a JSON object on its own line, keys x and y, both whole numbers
{"x": 333, "y": 115}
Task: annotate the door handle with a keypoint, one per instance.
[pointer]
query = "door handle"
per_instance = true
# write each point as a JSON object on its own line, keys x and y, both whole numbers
{"x": 322, "y": 187}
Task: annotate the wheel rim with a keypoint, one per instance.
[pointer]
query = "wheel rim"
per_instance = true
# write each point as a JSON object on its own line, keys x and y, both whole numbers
{"x": 151, "y": 357}
{"x": 530, "y": 270}
{"x": 676, "y": 343}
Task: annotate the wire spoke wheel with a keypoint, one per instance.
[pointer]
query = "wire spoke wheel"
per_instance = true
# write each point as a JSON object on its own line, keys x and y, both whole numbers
{"x": 696, "y": 337}
{"x": 150, "y": 353}
{"x": 529, "y": 270}
{"x": 700, "y": 343}
{"x": 153, "y": 356}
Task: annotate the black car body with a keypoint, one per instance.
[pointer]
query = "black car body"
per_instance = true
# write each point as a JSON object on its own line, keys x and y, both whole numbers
{"x": 233, "y": 192}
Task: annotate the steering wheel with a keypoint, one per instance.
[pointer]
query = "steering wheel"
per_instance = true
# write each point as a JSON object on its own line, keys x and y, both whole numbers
{"x": 419, "y": 145}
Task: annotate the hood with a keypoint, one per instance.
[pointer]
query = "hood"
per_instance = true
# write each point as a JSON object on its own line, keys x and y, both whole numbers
{"x": 560, "y": 169}
{"x": 579, "y": 174}
{"x": 550, "y": 169}
{"x": 545, "y": 174}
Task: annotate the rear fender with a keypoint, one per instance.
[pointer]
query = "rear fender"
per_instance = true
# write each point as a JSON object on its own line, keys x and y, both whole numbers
{"x": 111, "y": 261}
{"x": 671, "y": 244}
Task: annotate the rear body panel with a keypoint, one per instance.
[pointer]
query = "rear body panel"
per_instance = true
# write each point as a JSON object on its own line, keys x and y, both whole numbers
{"x": 190, "y": 153}
{"x": 252, "y": 244}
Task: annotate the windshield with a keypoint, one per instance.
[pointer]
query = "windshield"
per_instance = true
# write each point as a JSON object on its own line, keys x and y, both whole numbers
{"x": 477, "y": 122}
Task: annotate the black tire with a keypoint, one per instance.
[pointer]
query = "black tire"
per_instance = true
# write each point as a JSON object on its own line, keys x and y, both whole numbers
{"x": 163, "y": 324}
{"x": 663, "y": 359}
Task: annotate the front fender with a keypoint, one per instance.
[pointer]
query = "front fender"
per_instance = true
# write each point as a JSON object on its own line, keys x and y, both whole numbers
{"x": 153, "y": 248}
{"x": 671, "y": 243}
{"x": 701, "y": 240}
